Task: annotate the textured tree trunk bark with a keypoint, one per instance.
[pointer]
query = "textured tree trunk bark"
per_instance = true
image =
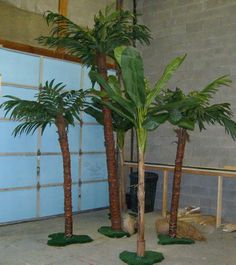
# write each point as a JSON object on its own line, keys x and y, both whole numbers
{"x": 141, "y": 206}
{"x": 63, "y": 140}
{"x": 182, "y": 138}
{"x": 110, "y": 154}
{"x": 123, "y": 204}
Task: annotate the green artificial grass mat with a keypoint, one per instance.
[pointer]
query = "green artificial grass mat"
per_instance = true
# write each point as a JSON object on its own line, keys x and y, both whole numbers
{"x": 150, "y": 257}
{"x": 167, "y": 240}
{"x": 109, "y": 232}
{"x": 59, "y": 240}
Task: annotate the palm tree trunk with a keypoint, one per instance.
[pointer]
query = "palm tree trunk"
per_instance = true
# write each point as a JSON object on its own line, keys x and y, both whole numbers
{"x": 141, "y": 206}
{"x": 182, "y": 138}
{"x": 63, "y": 140}
{"x": 110, "y": 154}
{"x": 123, "y": 205}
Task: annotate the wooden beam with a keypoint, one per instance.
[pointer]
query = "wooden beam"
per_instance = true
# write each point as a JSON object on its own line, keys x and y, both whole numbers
{"x": 230, "y": 167}
{"x": 191, "y": 170}
{"x": 63, "y": 7}
{"x": 165, "y": 193}
{"x": 119, "y": 4}
{"x": 219, "y": 201}
{"x": 41, "y": 51}
{"x": 36, "y": 50}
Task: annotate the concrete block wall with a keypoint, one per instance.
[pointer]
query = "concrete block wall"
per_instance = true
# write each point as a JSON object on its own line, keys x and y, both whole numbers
{"x": 206, "y": 31}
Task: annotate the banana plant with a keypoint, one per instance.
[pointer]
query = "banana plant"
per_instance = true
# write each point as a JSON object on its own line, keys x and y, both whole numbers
{"x": 134, "y": 104}
{"x": 185, "y": 112}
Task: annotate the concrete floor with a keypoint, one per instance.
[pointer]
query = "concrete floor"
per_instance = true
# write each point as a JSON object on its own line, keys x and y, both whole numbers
{"x": 25, "y": 244}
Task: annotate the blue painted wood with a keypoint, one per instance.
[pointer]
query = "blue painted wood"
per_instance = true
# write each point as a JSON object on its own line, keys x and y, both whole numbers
{"x": 52, "y": 169}
{"x": 20, "y": 171}
{"x": 50, "y": 141}
{"x": 93, "y": 138}
{"x": 19, "y": 68}
{"x": 62, "y": 71}
{"x": 9, "y": 143}
{"x": 17, "y": 205}
{"x": 94, "y": 195}
{"x": 17, "y": 171}
{"x": 52, "y": 200}
{"x": 94, "y": 167}
{"x": 22, "y": 93}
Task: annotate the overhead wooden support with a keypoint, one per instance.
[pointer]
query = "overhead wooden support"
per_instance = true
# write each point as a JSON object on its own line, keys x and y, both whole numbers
{"x": 36, "y": 50}
{"x": 63, "y": 7}
{"x": 119, "y": 4}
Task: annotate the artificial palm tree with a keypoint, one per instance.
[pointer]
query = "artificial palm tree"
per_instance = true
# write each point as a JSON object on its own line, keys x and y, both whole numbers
{"x": 134, "y": 104}
{"x": 185, "y": 112}
{"x": 53, "y": 105}
{"x": 121, "y": 126}
{"x": 111, "y": 29}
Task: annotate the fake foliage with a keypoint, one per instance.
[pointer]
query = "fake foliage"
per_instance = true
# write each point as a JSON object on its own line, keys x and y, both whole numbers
{"x": 52, "y": 105}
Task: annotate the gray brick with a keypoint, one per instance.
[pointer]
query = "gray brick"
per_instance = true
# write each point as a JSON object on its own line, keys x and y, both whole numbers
{"x": 194, "y": 26}
{"x": 218, "y": 3}
{"x": 187, "y": 9}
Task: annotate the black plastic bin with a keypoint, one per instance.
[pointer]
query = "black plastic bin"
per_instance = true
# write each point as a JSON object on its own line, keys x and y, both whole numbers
{"x": 150, "y": 191}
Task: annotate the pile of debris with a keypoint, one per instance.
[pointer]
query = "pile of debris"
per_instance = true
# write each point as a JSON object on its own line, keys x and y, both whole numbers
{"x": 191, "y": 224}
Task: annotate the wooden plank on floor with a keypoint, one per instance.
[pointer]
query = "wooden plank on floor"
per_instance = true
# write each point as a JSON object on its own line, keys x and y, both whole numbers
{"x": 165, "y": 193}
{"x": 219, "y": 201}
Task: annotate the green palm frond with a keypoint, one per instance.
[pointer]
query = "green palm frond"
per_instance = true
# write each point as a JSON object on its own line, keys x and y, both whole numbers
{"x": 194, "y": 108}
{"x": 118, "y": 121}
{"x": 111, "y": 29}
{"x": 208, "y": 92}
{"x": 51, "y": 101}
{"x": 217, "y": 113}
{"x": 166, "y": 76}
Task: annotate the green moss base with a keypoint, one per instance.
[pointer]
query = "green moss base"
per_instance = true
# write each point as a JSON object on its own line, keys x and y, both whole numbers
{"x": 167, "y": 240}
{"x": 109, "y": 232}
{"x": 150, "y": 257}
{"x": 59, "y": 240}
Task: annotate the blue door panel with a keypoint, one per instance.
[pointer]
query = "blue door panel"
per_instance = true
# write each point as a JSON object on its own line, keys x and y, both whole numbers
{"x": 17, "y": 205}
{"x": 9, "y": 143}
{"x": 22, "y": 93}
{"x": 50, "y": 141}
{"x": 88, "y": 118}
{"x": 66, "y": 72}
{"x": 75, "y": 198}
{"x": 52, "y": 200}
{"x": 93, "y": 139}
{"x": 19, "y": 68}
{"x": 17, "y": 171}
{"x": 52, "y": 169}
{"x": 94, "y": 195}
{"x": 94, "y": 167}
{"x": 87, "y": 82}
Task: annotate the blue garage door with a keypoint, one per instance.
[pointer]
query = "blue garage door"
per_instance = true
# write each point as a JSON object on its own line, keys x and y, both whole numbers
{"x": 31, "y": 175}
